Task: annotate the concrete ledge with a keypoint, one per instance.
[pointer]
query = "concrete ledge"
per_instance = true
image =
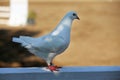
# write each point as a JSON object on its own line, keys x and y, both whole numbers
{"x": 65, "y": 73}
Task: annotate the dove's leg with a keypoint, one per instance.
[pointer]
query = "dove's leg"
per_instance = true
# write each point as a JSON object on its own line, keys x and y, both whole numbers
{"x": 51, "y": 64}
{"x": 51, "y": 67}
{"x": 50, "y": 58}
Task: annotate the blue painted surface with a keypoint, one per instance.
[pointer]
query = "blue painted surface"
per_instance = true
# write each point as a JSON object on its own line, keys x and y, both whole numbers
{"x": 66, "y": 73}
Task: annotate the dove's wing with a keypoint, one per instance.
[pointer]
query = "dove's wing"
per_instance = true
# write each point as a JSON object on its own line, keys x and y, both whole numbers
{"x": 47, "y": 45}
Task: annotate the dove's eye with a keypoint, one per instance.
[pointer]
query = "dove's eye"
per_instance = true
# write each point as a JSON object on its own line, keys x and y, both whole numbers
{"x": 74, "y": 14}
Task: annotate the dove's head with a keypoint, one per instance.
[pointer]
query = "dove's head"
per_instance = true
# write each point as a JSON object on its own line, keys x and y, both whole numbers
{"x": 72, "y": 15}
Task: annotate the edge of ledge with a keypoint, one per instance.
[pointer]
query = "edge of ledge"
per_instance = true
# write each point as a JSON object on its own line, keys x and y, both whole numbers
{"x": 64, "y": 69}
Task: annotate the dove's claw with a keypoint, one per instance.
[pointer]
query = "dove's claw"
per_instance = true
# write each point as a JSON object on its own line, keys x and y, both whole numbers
{"x": 53, "y": 68}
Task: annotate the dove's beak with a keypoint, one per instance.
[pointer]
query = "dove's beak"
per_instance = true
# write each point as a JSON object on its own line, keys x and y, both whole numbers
{"x": 78, "y": 18}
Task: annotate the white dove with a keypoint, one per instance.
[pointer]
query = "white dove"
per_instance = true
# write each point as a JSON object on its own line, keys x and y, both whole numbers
{"x": 52, "y": 44}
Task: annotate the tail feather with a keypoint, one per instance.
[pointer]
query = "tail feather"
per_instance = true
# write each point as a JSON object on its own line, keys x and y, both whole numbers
{"x": 18, "y": 40}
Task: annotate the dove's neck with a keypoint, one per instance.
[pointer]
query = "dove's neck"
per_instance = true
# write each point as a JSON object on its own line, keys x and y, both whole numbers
{"x": 63, "y": 27}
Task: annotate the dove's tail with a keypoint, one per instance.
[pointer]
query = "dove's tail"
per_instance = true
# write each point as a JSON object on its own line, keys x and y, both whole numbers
{"x": 18, "y": 40}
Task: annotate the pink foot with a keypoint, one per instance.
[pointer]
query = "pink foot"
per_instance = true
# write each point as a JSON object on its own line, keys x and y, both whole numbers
{"x": 53, "y": 68}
